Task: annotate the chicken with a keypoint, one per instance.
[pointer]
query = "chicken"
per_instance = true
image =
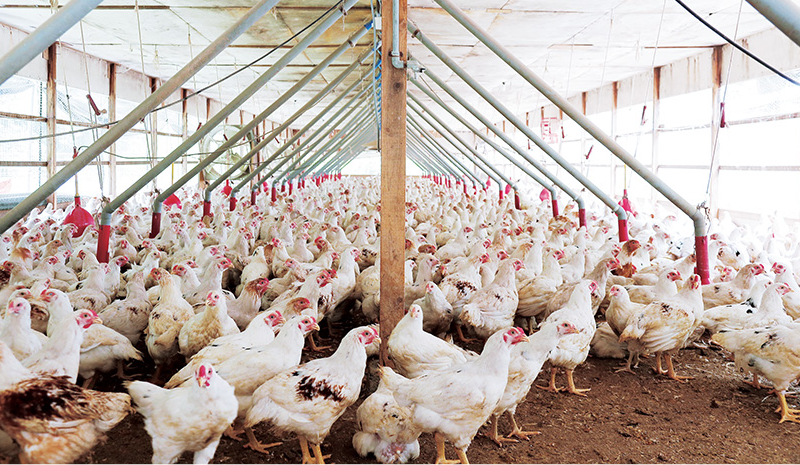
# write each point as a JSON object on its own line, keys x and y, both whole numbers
{"x": 60, "y": 355}
{"x": 599, "y": 274}
{"x": 17, "y": 333}
{"x": 211, "y": 281}
{"x": 664, "y": 288}
{"x": 166, "y": 320}
{"x": 536, "y": 292}
{"x": 664, "y": 327}
{"x": 764, "y": 307}
{"x": 92, "y": 294}
{"x": 204, "y": 327}
{"x": 527, "y": 359}
{"x": 245, "y": 307}
{"x": 605, "y": 343}
{"x": 734, "y": 291}
{"x": 437, "y": 310}
{"x": 188, "y": 418}
{"x": 249, "y": 369}
{"x": 308, "y": 399}
{"x": 129, "y": 316}
{"x": 416, "y": 352}
{"x": 791, "y": 301}
{"x": 618, "y": 315}
{"x": 52, "y": 419}
{"x": 772, "y": 352}
{"x": 385, "y": 429}
{"x": 260, "y": 331}
{"x": 467, "y": 394}
{"x": 493, "y": 307}
{"x": 257, "y": 268}
{"x": 368, "y": 290}
{"x": 573, "y": 349}
{"x": 426, "y": 267}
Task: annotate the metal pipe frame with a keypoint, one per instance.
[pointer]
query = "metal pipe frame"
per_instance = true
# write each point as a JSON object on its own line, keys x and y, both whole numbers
{"x": 263, "y": 166}
{"x": 422, "y": 134}
{"x": 347, "y": 133}
{"x": 266, "y": 113}
{"x": 617, "y": 209}
{"x": 44, "y": 36}
{"x": 697, "y": 215}
{"x": 397, "y": 62}
{"x": 132, "y": 118}
{"x": 423, "y": 150}
{"x": 453, "y": 134}
{"x": 292, "y": 171}
{"x": 458, "y": 148}
{"x": 438, "y": 153}
{"x": 574, "y": 195}
{"x": 353, "y": 139}
{"x": 320, "y": 134}
{"x": 239, "y": 100}
{"x": 784, "y": 14}
{"x": 353, "y": 150}
{"x": 423, "y": 164}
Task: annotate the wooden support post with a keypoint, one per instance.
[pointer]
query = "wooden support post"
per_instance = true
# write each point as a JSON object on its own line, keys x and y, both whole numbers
{"x": 393, "y": 174}
{"x": 51, "y": 115}
{"x": 614, "y": 101}
{"x": 716, "y": 98}
{"x": 153, "y": 132}
{"x": 112, "y": 116}
{"x": 584, "y": 160}
{"x": 185, "y": 126}
{"x": 656, "y": 124}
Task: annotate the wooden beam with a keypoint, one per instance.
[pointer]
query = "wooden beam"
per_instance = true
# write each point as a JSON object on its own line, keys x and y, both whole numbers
{"x": 51, "y": 115}
{"x": 656, "y": 123}
{"x": 716, "y": 147}
{"x": 393, "y": 174}
{"x": 112, "y": 116}
{"x": 614, "y": 103}
{"x": 185, "y": 126}
{"x": 153, "y": 132}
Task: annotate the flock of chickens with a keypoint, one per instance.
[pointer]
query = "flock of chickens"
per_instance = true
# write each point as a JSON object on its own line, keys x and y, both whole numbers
{"x": 226, "y": 307}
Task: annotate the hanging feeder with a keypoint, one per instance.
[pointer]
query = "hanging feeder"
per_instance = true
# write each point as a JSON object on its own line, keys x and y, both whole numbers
{"x": 544, "y": 195}
{"x": 227, "y": 189}
{"x": 173, "y": 200}
{"x": 80, "y": 217}
{"x": 625, "y": 203}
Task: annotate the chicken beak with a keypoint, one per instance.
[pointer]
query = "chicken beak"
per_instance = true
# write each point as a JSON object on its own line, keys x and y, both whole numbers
{"x": 97, "y": 321}
{"x": 524, "y": 339}
{"x": 316, "y": 327}
{"x": 376, "y": 340}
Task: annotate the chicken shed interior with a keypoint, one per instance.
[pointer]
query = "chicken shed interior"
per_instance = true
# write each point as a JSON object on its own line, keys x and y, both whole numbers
{"x": 285, "y": 231}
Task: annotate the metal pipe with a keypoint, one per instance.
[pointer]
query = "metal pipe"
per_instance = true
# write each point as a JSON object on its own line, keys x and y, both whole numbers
{"x": 44, "y": 36}
{"x": 265, "y": 164}
{"x": 460, "y": 140}
{"x": 422, "y": 134}
{"x": 345, "y": 135}
{"x": 618, "y": 210}
{"x": 241, "y": 133}
{"x": 696, "y": 214}
{"x": 427, "y": 153}
{"x": 578, "y": 199}
{"x": 395, "y": 52}
{"x": 126, "y": 123}
{"x": 352, "y": 151}
{"x": 467, "y": 146}
{"x": 448, "y": 163}
{"x": 784, "y": 14}
{"x": 319, "y": 135}
{"x": 355, "y": 138}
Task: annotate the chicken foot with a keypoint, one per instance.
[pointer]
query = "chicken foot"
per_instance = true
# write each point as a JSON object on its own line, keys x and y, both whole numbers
{"x": 440, "y": 458}
{"x": 493, "y": 434}
{"x": 462, "y": 338}
{"x": 671, "y": 370}
{"x": 257, "y": 446}
{"x": 320, "y": 459}
{"x": 627, "y": 367}
{"x": 304, "y": 450}
{"x": 658, "y": 368}
{"x": 571, "y": 385}
{"x": 234, "y": 432}
{"x": 788, "y": 414}
{"x": 552, "y": 387}
{"x": 89, "y": 382}
{"x": 518, "y": 432}
{"x": 313, "y": 345}
{"x": 121, "y": 371}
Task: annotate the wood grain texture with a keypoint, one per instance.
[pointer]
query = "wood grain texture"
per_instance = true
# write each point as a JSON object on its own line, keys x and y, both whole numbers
{"x": 393, "y": 173}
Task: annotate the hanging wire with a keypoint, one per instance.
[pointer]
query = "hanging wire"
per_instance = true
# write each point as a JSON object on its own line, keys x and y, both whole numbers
{"x": 69, "y": 112}
{"x": 602, "y": 79}
{"x": 92, "y": 114}
{"x": 141, "y": 57}
{"x": 714, "y": 146}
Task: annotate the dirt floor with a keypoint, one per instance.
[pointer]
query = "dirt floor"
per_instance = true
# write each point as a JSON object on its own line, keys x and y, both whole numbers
{"x": 641, "y": 418}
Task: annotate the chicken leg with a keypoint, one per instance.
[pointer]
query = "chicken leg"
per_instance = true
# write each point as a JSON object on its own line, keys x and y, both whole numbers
{"x": 788, "y": 414}
{"x": 233, "y": 432}
{"x": 671, "y": 370}
{"x": 494, "y": 436}
{"x": 571, "y": 385}
{"x": 440, "y": 458}
{"x": 257, "y": 446}
{"x": 658, "y": 368}
{"x": 627, "y": 367}
{"x": 552, "y": 387}
{"x": 320, "y": 459}
{"x": 304, "y": 450}
{"x": 518, "y": 432}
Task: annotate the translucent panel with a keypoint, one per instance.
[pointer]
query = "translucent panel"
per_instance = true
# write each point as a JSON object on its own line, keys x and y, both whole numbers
{"x": 693, "y": 109}
{"x": 169, "y": 120}
{"x": 20, "y": 181}
{"x": 764, "y": 144}
{"x": 602, "y": 120}
{"x": 640, "y": 146}
{"x": 23, "y": 96}
{"x": 630, "y": 119}
{"x": 760, "y": 191}
{"x": 571, "y": 151}
{"x": 690, "y": 184}
{"x": 28, "y": 150}
{"x": 126, "y": 106}
{"x": 73, "y": 105}
{"x": 81, "y": 139}
{"x": 601, "y": 177}
{"x": 88, "y": 182}
{"x": 764, "y": 96}
{"x": 685, "y": 147}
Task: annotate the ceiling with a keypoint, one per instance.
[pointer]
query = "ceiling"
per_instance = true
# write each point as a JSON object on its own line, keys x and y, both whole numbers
{"x": 576, "y": 45}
